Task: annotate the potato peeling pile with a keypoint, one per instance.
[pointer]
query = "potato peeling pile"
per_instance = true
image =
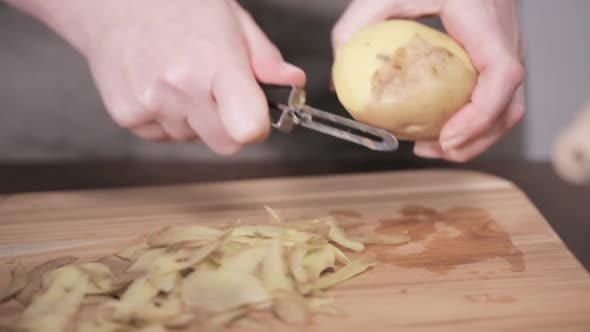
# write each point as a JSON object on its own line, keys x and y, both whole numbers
{"x": 198, "y": 278}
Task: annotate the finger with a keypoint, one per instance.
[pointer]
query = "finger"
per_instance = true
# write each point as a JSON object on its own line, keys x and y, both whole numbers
{"x": 477, "y": 146}
{"x": 173, "y": 107}
{"x": 501, "y": 126}
{"x": 121, "y": 102}
{"x": 499, "y": 66}
{"x": 198, "y": 108}
{"x": 513, "y": 116}
{"x": 151, "y": 132}
{"x": 517, "y": 108}
{"x": 265, "y": 58}
{"x": 428, "y": 149}
{"x": 494, "y": 89}
{"x": 178, "y": 130}
{"x": 362, "y": 13}
{"x": 241, "y": 103}
{"x": 207, "y": 123}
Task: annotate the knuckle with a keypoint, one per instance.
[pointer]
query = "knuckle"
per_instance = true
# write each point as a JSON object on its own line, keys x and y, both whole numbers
{"x": 227, "y": 150}
{"x": 149, "y": 108}
{"x": 157, "y": 139}
{"x": 125, "y": 117}
{"x": 151, "y": 136}
{"x": 519, "y": 110}
{"x": 150, "y": 102}
{"x": 176, "y": 77}
{"x": 185, "y": 137}
{"x": 516, "y": 114}
{"x": 514, "y": 71}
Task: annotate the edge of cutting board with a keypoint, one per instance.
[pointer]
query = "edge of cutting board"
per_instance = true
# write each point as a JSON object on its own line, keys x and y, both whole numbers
{"x": 455, "y": 171}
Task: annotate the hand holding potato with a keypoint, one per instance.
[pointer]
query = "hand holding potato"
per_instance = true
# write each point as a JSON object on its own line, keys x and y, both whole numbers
{"x": 426, "y": 81}
{"x": 175, "y": 70}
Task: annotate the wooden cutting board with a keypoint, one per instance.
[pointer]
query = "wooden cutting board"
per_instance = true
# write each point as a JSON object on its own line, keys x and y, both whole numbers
{"x": 483, "y": 258}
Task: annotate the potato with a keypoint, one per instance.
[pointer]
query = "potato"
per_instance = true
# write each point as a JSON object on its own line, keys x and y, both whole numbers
{"x": 404, "y": 77}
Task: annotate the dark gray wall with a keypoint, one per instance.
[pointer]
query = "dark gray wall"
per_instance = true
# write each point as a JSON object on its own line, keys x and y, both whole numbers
{"x": 559, "y": 69}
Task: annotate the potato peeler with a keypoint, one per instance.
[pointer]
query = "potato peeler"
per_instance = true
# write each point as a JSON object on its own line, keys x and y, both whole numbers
{"x": 285, "y": 116}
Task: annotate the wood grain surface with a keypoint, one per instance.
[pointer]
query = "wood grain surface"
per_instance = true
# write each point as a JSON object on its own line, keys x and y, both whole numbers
{"x": 483, "y": 258}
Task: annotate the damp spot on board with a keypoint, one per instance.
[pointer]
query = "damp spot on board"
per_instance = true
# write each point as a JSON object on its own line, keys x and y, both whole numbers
{"x": 443, "y": 240}
{"x": 488, "y": 298}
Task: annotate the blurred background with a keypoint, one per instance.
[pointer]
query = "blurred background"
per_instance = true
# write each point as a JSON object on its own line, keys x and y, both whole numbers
{"x": 51, "y": 111}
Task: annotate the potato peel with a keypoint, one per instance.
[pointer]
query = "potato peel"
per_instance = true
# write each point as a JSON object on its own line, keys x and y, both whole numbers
{"x": 117, "y": 265}
{"x": 36, "y": 274}
{"x": 99, "y": 325}
{"x": 291, "y": 308}
{"x": 318, "y": 260}
{"x": 181, "y": 322}
{"x": 338, "y": 235}
{"x": 138, "y": 294}
{"x": 158, "y": 310}
{"x": 350, "y": 270}
{"x": 146, "y": 259}
{"x": 131, "y": 252}
{"x": 171, "y": 235}
{"x": 324, "y": 306}
{"x": 52, "y": 309}
{"x": 296, "y": 258}
{"x": 20, "y": 278}
{"x": 100, "y": 278}
{"x": 339, "y": 254}
{"x": 199, "y": 277}
{"x": 165, "y": 282}
{"x": 220, "y": 291}
{"x": 246, "y": 261}
{"x": 153, "y": 328}
{"x": 274, "y": 269}
{"x": 161, "y": 261}
{"x": 274, "y": 214}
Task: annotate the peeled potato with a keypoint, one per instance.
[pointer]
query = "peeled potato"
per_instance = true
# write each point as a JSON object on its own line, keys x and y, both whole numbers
{"x": 404, "y": 77}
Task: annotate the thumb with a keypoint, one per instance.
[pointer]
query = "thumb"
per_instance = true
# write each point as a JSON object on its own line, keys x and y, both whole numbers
{"x": 241, "y": 103}
{"x": 362, "y": 13}
{"x": 266, "y": 60}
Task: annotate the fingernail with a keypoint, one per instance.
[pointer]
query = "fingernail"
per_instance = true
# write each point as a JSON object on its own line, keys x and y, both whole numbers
{"x": 247, "y": 132}
{"x": 297, "y": 74}
{"x": 227, "y": 149}
{"x": 426, "y": 152}
{"x": 291, "y": 68}
{"x": 453, "y": 142}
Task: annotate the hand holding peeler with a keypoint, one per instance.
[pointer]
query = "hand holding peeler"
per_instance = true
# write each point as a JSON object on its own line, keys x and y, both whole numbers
{"x": 295, "y": 112}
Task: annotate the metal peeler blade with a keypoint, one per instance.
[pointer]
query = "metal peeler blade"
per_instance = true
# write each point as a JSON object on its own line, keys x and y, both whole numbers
{"x": 296, "y": 112}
